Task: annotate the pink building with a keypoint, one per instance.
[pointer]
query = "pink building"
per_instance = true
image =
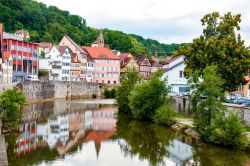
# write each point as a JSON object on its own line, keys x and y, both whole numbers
{"x": 106, "y": 63}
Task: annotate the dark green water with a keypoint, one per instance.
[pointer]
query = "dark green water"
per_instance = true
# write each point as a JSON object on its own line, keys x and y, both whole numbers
{"x": 74, "y": 133}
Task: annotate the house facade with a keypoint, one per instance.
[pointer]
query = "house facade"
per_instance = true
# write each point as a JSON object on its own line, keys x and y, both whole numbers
{"x": 24, "y": 55}
{"x": 155, "y": 65}
{"x": 144, "y": 66}
{"x": 174, "y": 75}
{"x": 90, "y": 69}
{"x": 106, "y": 65}
{"x": 81, "y": 55}
{"x": 7, "y": 67}
{"x": 57, "y": 62}
{"x": 75, "y": 69}
{"x": 128, "y": 62}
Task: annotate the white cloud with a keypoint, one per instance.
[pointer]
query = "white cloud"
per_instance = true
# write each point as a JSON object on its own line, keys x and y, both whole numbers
{"x": 165, "y": 20}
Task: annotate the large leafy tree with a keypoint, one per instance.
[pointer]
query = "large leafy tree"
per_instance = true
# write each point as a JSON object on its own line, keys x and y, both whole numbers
{"x": 219, "y": 45}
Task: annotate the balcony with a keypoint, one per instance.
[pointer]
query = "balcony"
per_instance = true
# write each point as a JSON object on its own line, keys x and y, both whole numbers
{"x": 55, "y": 72}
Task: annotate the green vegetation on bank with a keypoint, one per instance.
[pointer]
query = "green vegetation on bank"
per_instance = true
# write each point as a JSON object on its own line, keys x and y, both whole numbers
{"x": 11, "y": 104}
{"x": 212, "y": 121}
{"x": 145, "y": 100}
{"x": 50, "y": 24}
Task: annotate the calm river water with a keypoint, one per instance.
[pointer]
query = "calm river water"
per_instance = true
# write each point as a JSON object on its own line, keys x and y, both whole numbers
{"x": 75, "y": 133}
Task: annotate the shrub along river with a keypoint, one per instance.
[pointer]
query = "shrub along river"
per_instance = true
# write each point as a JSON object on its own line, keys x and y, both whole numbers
{"x": 74, "y": 133}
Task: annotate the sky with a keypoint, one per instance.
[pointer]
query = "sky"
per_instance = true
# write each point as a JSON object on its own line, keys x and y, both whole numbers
{"x": 168, "y": 21}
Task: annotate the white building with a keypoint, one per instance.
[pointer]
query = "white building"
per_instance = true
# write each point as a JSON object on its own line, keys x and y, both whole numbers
{"x": 90, "y": 69}
{"x": 57, "y": 62}
{"x": 174, "y": 75}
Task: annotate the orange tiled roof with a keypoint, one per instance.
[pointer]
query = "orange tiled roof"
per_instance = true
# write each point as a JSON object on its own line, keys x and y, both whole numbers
{"x": 45, "y": 44}
{"x": 61, "y": 49}
{"x": 100, "y": 53}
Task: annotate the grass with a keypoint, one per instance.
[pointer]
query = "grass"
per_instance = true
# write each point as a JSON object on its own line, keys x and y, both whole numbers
{"x": 178, "y": 115}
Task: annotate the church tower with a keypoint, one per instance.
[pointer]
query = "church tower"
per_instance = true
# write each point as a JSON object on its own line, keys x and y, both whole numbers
{"x": 99, "y": 42}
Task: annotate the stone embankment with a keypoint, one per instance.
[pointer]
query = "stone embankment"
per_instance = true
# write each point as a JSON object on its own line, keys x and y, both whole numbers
{"x": 50, "y": 90}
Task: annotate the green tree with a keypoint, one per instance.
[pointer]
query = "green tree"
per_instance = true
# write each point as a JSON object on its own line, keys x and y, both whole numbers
{"x": 206, "y": 98}
{"x": 128, "y": 81}
{"x": 147, "y": 97}
{"x": 219, "y": 45}
{"x": 11, "y": 103}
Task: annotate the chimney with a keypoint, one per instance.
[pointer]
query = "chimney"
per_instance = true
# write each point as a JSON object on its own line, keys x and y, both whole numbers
{"x": 1, "y": 40}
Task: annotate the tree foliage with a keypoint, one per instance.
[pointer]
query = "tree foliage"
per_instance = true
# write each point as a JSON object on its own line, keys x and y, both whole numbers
{"x": 164, "y": 115}
{"x": 147, "y": 97}
{"x": 219, "y": 45}
{"x": 128, "y": 81}
{"x": 212, "y": 121}
{"x": 11, "y": 103}
{"x": 50, "y": 24}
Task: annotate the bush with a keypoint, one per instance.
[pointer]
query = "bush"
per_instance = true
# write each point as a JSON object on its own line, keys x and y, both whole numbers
{"x": 109, "y": 93}
{"x": 147, "y": 97}
{"x": 227, "y": 130}
{"x": 164, "y": 115}
{"x": 11, "y": 103}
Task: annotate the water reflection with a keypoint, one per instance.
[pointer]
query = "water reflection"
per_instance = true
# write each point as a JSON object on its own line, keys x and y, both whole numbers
{"x": 76, "y": 133}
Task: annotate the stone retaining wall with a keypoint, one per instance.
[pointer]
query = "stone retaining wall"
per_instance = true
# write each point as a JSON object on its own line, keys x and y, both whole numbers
{"x": 49, "y": 90}
{"x": 183, "y": 104}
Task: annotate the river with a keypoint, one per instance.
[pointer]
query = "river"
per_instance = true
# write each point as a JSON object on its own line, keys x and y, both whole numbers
{"x": 92, "y": 133}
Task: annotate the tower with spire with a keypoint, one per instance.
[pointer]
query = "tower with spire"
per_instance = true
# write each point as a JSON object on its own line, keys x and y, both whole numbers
{"x": 99, "y": 42}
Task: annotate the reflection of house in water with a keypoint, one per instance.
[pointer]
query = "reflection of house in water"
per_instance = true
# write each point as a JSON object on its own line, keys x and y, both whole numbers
{"x": 180, "y": 152}
{"x": 102, "y": 127}
{"x": 26, "y": 141}
{"x": 57, "y": 129}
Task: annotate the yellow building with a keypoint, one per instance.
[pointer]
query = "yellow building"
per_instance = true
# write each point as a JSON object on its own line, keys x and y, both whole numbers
{"x": 7, "y": 68}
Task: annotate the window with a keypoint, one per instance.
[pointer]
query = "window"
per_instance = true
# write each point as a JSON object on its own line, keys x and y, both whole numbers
{"x": 96, "y": 81}
{"x": 102, "y": 75}
{"x": 108, "y": 82}
{"x": 102, "y": 81}
{"x": 65, "y": 71}
{"x": 114, "y": 82}
{"x": 181, "y": 74}
{"x": 184, "y": 89}
{"x": 19, "y": 67}
{"x": 249, "y": 75}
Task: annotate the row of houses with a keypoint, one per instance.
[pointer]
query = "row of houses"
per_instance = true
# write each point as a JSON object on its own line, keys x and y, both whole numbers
{"x": 68, "y": 61}
{"x": 97, "y": 63}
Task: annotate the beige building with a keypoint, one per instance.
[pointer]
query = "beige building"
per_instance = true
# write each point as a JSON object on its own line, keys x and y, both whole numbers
{"x": 44, "y": 48}
{"x": 128, "y": 62}
{"x": 7, "y": 67}
{"x": 81, "y": 55}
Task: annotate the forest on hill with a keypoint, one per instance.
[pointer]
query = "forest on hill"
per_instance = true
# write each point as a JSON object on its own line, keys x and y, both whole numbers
{"x": 48, "y": 23}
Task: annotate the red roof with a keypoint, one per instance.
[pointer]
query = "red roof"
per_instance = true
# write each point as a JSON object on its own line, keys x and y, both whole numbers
{"x": 98, "y": 136}
{"x": 100, "y": 53}
{"x": 61, "y": 49}
{"x": 45, "y": 44}
{"x": 125, "y": 59}
{"x": 74, "y": 58}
